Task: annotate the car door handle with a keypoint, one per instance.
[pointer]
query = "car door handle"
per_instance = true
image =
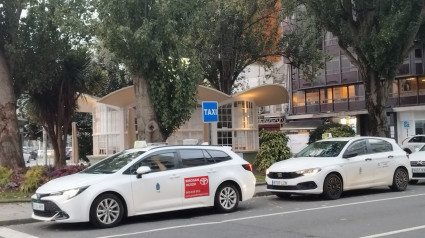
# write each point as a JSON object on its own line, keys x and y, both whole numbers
{"x": 368, "y": 159}
{"x": 211, "y": 171}
{"x": 390, "y": 156}
{"x": 174, "y": 176}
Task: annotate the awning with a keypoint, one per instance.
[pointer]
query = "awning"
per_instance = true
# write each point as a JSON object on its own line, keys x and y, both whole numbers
{"x": 266, "y": 95}
{"x": 301, "y": 125}
{"x": 120, "y": 98}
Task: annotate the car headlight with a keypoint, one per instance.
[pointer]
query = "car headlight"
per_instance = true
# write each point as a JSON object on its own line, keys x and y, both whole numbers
{"x": 267, "y": 171}
{"x": 70, "y": 192}
{"x": 308, "y": 171}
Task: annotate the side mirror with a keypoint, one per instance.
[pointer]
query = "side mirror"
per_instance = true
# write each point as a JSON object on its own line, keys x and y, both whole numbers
{"x": 349, "y": 155}
{"x": 142, "y": 170}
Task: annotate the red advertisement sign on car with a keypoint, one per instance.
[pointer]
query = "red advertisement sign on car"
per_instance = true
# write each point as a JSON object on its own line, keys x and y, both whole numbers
{"x": 196, "y": 187}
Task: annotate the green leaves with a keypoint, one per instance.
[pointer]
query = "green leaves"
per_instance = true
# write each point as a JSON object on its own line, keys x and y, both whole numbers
{"x": 273, "y": 148}
{"x": 173, "y": 91}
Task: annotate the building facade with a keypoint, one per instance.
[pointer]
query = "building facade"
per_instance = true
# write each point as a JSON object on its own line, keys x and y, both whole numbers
{"x": 338, "y": 94}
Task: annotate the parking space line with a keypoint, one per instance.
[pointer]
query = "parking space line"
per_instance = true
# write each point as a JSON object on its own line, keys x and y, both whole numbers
{"x": 265, "y": 215}
{"x": 395, "y": 232}
{"x": 9, "y": 233}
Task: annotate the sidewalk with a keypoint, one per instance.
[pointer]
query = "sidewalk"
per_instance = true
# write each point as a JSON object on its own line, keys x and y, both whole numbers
{"x": 19, "y": 212}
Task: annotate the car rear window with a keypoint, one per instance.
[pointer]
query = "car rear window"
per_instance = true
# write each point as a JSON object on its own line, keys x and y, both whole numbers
{"x": 417, "y": 139}
{"x": 219, "y": 156}
{"x": 377, "y": 146}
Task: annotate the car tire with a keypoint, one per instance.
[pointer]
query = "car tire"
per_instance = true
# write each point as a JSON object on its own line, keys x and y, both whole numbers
{"x": 226, "y": 198}
{"x": 332, "y": 187}
{"x": 413, "y": 181}
{"x": 106, "y": 211}
{"x": 283, "y": 195}
{"x": 400, "y": 180}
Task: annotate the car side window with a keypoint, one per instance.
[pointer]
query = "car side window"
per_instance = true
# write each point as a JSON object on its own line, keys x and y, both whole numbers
{"x": 358, "y": 147}
{"x": 378, "y": 146}
{"x": 157, "y": 162}
{"x": 208, "y": 157}
{"x": 192, "y": 158}
{"x": 219, "y": 156}
{"x": 416, "y": 139}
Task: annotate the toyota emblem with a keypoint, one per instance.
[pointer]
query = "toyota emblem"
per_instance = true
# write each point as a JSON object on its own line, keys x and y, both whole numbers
{"x": 203, "y": 181}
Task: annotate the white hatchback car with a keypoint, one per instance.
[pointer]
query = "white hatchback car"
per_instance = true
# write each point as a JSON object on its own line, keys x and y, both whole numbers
{"x": 331, "y": 166}
{"x": 417, "y": 161}
{"x": 147, "y": 180}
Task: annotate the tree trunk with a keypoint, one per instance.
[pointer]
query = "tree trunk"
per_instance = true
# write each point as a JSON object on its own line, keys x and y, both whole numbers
{"x": 376, "y": 93}
{"x": 10, "y": 146}
{"x": 147, "y": 123}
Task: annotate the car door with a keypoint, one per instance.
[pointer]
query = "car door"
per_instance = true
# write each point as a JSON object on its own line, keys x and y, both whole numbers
{"x": 198, "y": 177}
{"x": 358, "y": 169}
{"x": 161, "y": 188}
{"x": 383, "y": 157}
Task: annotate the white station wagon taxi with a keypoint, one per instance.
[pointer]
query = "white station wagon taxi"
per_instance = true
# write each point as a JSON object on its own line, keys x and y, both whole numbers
{"x": 147, "y": 180}
{"x": 331, "y": 166}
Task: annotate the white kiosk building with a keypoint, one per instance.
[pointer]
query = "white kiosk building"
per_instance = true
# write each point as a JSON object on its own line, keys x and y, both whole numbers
{"x": 114, "y": 127}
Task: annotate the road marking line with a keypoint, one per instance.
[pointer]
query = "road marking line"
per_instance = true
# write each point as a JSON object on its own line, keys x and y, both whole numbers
{"x": 261, "y": 216}
{"x": 395, "y": 232}
{"x": 9, "y": 233}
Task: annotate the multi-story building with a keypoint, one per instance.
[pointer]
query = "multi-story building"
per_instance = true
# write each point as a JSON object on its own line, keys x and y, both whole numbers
{"x": 338, "y": 94}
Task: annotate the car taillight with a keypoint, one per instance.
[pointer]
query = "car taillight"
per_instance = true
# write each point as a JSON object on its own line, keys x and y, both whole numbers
{"x": 247, "y": 167}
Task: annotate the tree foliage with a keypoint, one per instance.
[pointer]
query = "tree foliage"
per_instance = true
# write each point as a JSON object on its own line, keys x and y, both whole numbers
{"x": 375, "y": 36}
{"x": 230, "y": 35}
{"x": 150, "y": 38}
{"x": 55, "y": 66}
{"x": 54, "y": 106}
{"x": 336, "y": 129}
{"x": 273, "y": 148}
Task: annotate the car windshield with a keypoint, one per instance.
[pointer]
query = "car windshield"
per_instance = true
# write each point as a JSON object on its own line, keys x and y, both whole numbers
{"x": 113, "y": 164}
{"x": 423, "y": 148}
{"x": 322, "y": 149}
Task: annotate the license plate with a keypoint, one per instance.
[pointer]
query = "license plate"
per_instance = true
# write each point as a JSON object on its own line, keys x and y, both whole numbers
{"x": 418, "y": 170}
{"x": 279, "y": 182}
{"x": 38, "y": 206}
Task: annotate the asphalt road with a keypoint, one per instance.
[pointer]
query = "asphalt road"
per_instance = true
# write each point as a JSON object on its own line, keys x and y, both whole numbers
{"x": 367, "y": 213}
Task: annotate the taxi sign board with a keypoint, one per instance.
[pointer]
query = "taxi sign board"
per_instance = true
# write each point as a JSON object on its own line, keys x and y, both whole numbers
{"x": 209, "y": 111}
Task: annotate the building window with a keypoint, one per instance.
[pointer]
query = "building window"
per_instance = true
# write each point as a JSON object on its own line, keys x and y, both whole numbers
{"x": 421, "y": 86}
{"x": 244, "y": 114}
{"x": 326, "y": 95}
{"x": 298, "y": 99}
{"x": 419, "y": 127}
{"x": 312, "y": 97}
{"x": 418, "y": 53}
{"x": 332, "y": 67}
{"x": 225, "y": 116}
{"x": 408, "y": 86}
{"x": 340, "y": 94}
{"x": 419, "y": 68}
{"x": 224, "y": 138}
{"x": 356, "y": 92}
{"x": 346, "y": 65}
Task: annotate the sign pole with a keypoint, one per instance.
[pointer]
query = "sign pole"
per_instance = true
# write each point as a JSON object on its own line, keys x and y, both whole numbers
{"x": 209, "y": 115}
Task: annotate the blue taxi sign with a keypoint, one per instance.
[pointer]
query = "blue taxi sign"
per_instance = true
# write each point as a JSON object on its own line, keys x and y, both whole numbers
{"x": 209, "y": 111}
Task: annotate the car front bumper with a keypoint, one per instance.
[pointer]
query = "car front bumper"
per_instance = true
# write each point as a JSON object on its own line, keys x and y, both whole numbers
{"x": 60, "y": 208}
{"x": 303, "y": 185}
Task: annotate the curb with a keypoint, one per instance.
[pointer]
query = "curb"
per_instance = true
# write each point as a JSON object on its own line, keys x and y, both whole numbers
{"x": 18, "y": 222}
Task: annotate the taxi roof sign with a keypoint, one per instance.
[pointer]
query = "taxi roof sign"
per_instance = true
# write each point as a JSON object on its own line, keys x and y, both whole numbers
{"x": 140, "y": 144}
